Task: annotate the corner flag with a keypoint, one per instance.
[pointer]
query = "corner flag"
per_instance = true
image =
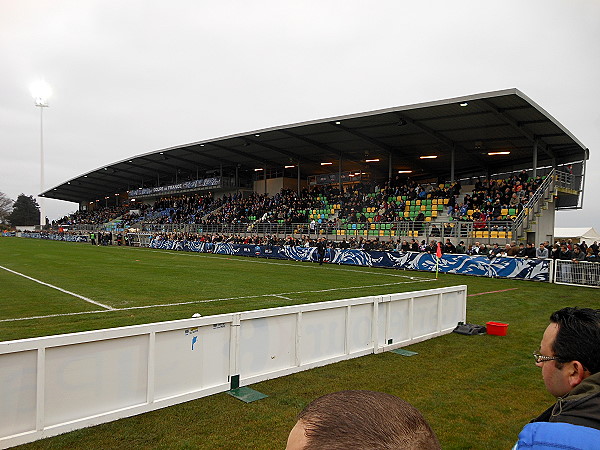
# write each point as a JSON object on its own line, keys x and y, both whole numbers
{"x": 438, "y": 255}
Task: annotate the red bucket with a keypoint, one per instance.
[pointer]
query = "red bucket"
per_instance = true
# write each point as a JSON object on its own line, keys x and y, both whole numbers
{"x": 496, "y": 328}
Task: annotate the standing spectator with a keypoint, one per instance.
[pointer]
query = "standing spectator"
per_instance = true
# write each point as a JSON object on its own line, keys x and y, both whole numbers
{"x": 321, "y": 246}
{"x": 513, "y": 250}
{"x": 530, "y": 251}
{"x": 590, "y": 256}
{"x": 564, "y": 253}
{"x": 577, "y": 254}
{"x": 541, "y": 252}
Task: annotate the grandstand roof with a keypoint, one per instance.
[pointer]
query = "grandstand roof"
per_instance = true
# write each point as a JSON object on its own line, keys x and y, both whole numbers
{"x": 472, "y": 126}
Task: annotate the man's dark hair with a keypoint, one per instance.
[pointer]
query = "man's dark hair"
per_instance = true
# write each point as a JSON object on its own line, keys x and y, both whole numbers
{"x": 366, "y": 420}
{"x": 578, "y": 337}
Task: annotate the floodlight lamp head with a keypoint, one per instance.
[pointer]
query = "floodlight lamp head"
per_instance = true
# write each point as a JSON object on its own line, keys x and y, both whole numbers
{"x": 41, "y": 92}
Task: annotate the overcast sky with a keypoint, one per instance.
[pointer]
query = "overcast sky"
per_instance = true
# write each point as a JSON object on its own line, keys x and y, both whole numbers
{"x": 129, "y": 77}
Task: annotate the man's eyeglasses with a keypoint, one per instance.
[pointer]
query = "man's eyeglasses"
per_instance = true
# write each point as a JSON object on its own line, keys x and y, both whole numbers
{"x": 542, "y": 358}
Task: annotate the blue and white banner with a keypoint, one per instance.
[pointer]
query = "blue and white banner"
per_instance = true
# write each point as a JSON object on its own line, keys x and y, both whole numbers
{"x": 529, "y": 269}
{"x": 56, "y": 236}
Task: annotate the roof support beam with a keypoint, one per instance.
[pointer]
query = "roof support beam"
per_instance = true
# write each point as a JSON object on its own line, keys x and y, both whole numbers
{"x": 449, "y": 143}
{"x": 246, "y": 155}
{"x": 187, "y": 161}
{"x": 148, "y": 172}
{"x": 517, "y": 126}
{"x": 162, "y": 162}
{"x": 387, "y": 148}
{"x": 294, "y": 156}
{"x": 324, "y": 147}
{"x": 151, "y": 172}
{"x": 193, "y": 151}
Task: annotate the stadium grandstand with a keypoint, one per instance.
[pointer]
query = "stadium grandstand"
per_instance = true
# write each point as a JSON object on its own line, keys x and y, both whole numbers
{"x": 490, "y": 167}
{"x": 463, "y": 186}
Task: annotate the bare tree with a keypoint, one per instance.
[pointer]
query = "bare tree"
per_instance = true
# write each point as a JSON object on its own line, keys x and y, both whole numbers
{"x": 6, "y": 206}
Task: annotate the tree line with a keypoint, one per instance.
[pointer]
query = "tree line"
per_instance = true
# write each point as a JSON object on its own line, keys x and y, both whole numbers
{"x": 24, "y": 211}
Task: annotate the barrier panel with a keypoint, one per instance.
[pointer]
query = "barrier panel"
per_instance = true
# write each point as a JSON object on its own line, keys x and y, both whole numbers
{"x": 54, "y": 384}
{"x": 521, "y": 268}
{"x": 580, "y": 273}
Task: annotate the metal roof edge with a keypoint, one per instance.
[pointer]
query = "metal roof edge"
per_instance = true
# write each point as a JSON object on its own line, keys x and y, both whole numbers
{"x": 552, "y": 119}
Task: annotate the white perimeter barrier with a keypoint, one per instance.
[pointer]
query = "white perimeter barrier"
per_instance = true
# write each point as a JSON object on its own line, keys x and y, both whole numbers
{"x": 581, "y": 273}
{"x": 54, "y": 384}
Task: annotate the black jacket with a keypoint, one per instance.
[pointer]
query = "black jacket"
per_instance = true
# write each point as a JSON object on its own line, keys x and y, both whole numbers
{"x": 581, "y": 406}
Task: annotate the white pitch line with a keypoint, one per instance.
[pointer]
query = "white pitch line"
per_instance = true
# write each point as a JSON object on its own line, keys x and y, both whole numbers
{"x": 282, "y": 295}
{"x": 89, "y": 300}
{"x": 257, "y": 261}
{"x": 57, "y": 315}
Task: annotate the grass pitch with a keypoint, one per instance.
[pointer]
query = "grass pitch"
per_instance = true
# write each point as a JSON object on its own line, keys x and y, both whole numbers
{"x": 476, "y": 391}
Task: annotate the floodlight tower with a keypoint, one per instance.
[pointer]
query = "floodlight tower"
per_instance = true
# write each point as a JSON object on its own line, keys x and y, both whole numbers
{"x": 41, "y": 92}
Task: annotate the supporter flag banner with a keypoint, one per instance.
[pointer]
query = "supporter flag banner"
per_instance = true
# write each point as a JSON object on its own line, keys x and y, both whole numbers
{"x": 530, "y": 269}
{"x": 520, "y": 268}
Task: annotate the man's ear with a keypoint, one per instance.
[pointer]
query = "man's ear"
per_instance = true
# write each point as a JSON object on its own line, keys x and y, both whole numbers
{"x": 577, "y": 373}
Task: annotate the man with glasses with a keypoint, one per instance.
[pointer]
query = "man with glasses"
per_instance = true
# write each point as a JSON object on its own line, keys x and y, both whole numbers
{"x": 569, "y": 357}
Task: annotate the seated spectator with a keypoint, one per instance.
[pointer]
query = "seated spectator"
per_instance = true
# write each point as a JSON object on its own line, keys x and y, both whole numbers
{"x": 413, "y": 246}
{"x": 449, "y": 247}
{"x": 363, "y": 420}
{"x": 405, "y": 247}
{"x": 460, "y": 248}
{"x": 494, "y": 251}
